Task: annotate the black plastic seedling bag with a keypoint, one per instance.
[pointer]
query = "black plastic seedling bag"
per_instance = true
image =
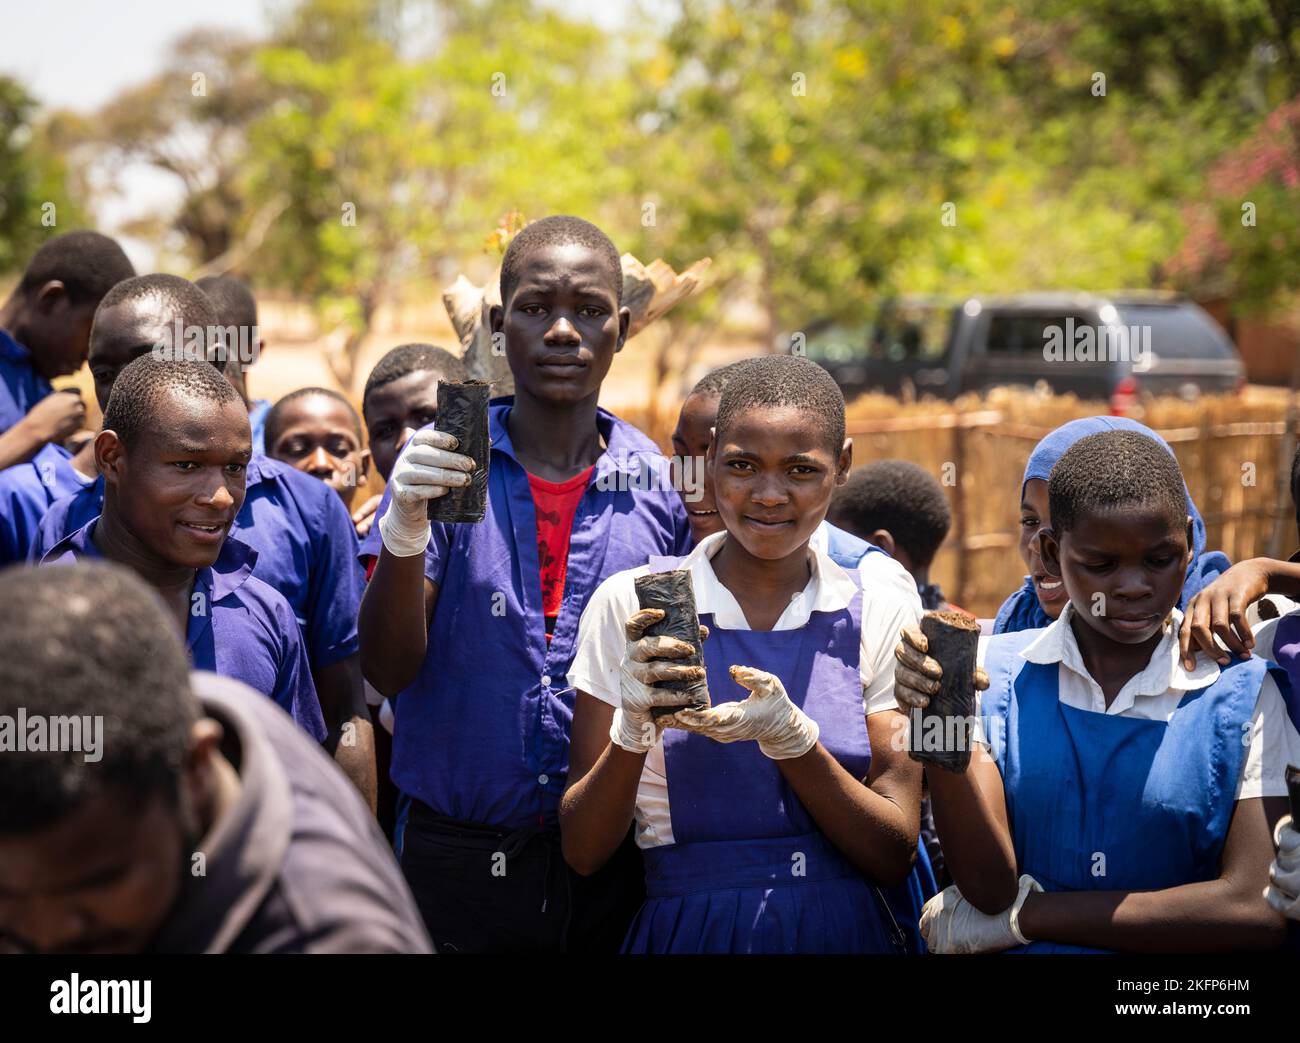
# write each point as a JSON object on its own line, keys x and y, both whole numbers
{"x": 940, "y": 734}
{"x": 672, "y": 592}
{"x": 463, "y": 412}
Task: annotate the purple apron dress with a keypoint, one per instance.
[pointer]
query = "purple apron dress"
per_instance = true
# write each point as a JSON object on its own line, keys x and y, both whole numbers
{"x": 749, "y": 871}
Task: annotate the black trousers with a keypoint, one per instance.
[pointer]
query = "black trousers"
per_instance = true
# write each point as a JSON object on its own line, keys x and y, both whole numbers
{"x": 486, "y": 890}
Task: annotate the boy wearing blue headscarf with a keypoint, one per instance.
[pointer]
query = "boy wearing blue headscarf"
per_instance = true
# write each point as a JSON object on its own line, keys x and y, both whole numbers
{"x": 1042, "y": 597}
{"x": 1126, "y": 801}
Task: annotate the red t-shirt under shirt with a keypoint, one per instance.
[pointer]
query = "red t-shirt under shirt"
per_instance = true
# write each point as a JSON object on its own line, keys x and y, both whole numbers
{"x": 555, "y": 504}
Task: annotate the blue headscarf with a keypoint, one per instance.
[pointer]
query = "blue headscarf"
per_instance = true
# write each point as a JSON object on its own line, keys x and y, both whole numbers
{"x": 1021, "y": 611}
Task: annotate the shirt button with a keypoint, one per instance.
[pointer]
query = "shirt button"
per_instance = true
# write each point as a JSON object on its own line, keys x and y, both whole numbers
{"x": 543, "y": 779}
{"x": 546, "y": 680}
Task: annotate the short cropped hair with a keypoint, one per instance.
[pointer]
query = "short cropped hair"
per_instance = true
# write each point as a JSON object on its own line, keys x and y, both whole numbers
{"x": 412, "y": 358}
{"x": 275, "y": 417}
{"x": 714, "y": 382}
{"x": 1112, "y": 469}
{"x": 232, "y": 299}
{"x": 87, "y": 263}
{"x": 785, "y": 380}
{"x": 94, "y": 640}
{"x": 899, "y": 497}
{"x": 145, "y": 381}
{"x": 559, "y": 230}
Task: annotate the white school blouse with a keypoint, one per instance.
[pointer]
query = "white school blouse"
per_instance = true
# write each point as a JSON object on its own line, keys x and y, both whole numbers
{"x": 1155, "y": 692}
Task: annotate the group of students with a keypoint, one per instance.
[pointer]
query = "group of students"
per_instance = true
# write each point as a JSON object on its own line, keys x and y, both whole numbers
{"x": 491, "y": 690}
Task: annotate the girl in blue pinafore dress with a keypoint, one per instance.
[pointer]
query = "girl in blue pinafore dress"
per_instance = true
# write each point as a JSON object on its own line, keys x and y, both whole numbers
{"x": 1136, "y": 792}
{"x": 736, "y": 806}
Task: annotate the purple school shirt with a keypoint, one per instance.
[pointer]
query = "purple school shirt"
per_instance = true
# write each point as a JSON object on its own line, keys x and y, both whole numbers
{"x": 305, "y": 542}
{"x": 238, "y": 627}
{"x": 298, "y": 864}
{"x": 21, "y": 387}
{"x": 482, "y": 735}
{"x": 26, "y": 492}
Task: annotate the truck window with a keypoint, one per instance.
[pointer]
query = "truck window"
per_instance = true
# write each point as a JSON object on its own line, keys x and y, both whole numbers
{"x": 1181, "y": 331}
{"x": 911, "y": 334}
{"x": 1024, "y": 335}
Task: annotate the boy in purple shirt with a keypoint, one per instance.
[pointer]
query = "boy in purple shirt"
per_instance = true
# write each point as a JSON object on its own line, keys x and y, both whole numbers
{"x": 173, "y": 452}
{"x": 181, "y": 813}
{"x": 453, "y": 618}
{"x": 302, "y": 533}
{"x": 44, "y": 331}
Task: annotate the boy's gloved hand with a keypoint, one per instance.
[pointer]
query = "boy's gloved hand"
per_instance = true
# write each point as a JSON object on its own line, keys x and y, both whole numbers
{"x": 950, "y": 924}
{"x": 647, "y": 660}
{"x": 783, "y": 731}
{"x": 427, "y": 468}
{"x": 916, "y": 675}
{"x": 1283, "y": 892}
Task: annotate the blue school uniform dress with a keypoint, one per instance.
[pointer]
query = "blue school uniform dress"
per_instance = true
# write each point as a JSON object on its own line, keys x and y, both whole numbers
{"x": 303, "y": 536}
{"x": 734, "y": 861}
{"x": 482, "y": 734}
{"x": 26, "y": 492}
{"x": 907, "y": 899}
{"x": 238, "y": 627}
{"x": 1105, "y": 802}
{"x": 21, "y": 387}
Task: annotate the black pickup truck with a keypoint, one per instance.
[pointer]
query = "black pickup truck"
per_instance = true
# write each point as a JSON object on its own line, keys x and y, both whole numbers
{"x": 1111, "y": 346}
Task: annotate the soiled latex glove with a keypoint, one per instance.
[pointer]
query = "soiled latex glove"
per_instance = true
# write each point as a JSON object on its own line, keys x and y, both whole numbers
{"x": 783, "y": 731}
{"x": 916, "y": 675}
{"x": 1283, "y": 892}
{"x": 426, "y": 469}
{"x": 645, "y": 661}
{"x": 950, "y": 924}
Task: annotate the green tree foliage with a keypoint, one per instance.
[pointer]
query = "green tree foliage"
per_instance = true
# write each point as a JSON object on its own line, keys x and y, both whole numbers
{"x": 32, "y": 176}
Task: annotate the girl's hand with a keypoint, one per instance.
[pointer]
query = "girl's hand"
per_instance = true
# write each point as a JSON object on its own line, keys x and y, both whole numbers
{"x": 916, "y": 675}
{"x": 1221, "y": 609}
{"x": 645, "y": 661}
{"x": 782, "y": 730}
{"x": 950, "y": 924}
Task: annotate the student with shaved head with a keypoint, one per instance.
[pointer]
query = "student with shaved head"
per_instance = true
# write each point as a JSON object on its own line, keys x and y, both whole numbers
{"x": 302, "y": 533}
{"x": 174, "y": 453}
{"x": 44, "y": 332}
{"x": 196, "y": 819}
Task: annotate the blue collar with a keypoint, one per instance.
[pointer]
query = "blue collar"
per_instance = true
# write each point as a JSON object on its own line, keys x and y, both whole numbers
{"x": 233, "y": 567}
{"x": 13, "y": 351}
{"x": 621, "y": 451}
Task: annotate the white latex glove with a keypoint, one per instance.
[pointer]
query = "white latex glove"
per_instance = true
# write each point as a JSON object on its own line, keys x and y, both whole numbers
{"x": 950, "y": 924}
{"x": 916, "y": 675}
{"x": 645, "y": 661}
{"x": 783, "y": 731}
{"x": 426, "y": 469}
{"x": 1283, "y": 892}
